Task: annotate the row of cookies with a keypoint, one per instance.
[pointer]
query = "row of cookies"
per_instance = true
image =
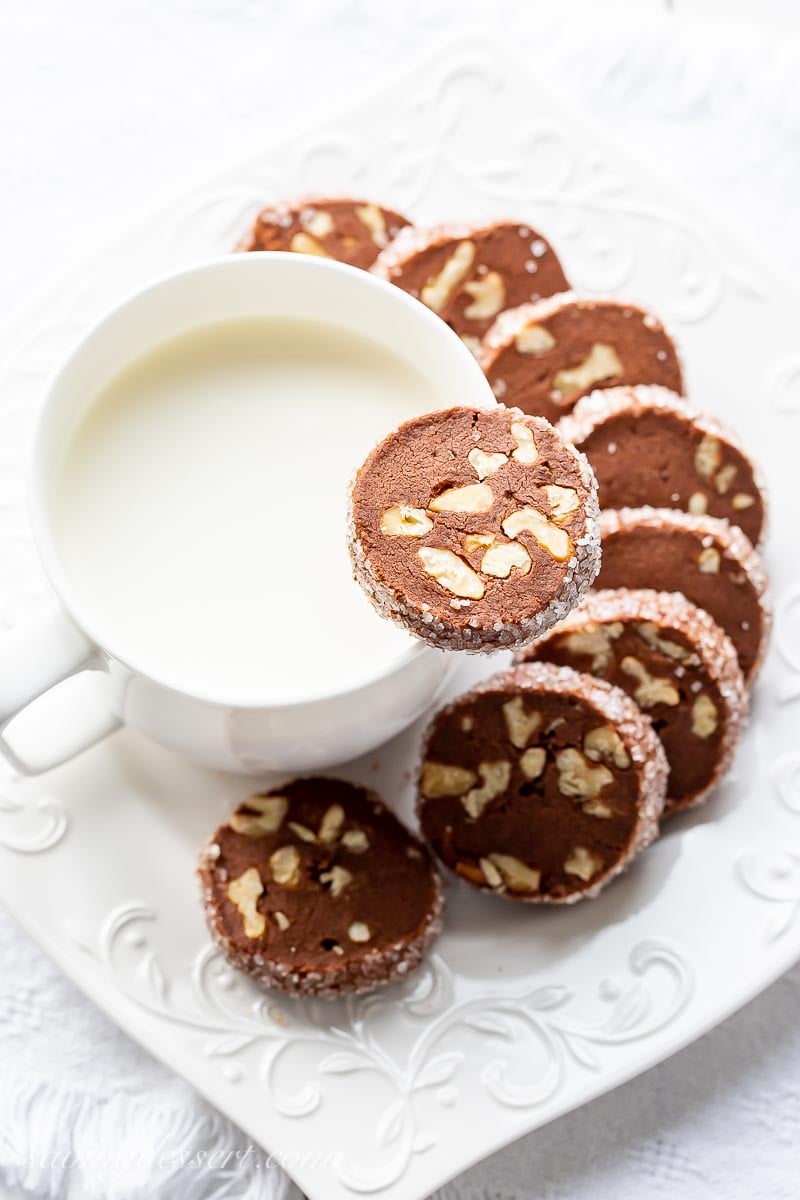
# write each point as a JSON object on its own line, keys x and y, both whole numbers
{"x": 546, "y": 781}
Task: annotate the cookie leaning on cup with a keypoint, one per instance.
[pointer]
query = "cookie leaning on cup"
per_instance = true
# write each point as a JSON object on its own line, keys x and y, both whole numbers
{"x": 474, "y": 529}
{"x": 541, "y": 784}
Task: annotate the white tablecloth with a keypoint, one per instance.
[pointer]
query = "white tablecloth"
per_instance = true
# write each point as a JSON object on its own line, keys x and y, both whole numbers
{"x": 108, "y": 107}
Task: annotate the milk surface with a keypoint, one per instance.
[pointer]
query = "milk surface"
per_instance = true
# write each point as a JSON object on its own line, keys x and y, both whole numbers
{"x": 200, "y": 508}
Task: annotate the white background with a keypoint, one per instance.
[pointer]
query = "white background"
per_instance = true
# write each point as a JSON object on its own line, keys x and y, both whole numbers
{"x": 108, "y": 106}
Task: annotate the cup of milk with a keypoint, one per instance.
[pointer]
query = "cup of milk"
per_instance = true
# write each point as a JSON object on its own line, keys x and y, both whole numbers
{"x": 188, "y": 499}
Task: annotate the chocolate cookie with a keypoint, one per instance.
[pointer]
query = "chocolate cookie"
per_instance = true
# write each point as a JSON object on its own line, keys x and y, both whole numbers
{"x": 647, "y": 446}
{"x": 675, "y": 662}
{"x": 317, "y": 889}
{"x": 469, "y": 274}
{"x": 711, "y": 562}
{"x": 541, "y": 784}
{"x": 543, "y": 357}
{"x": 474, "y": 530}
{"x": 353, "y": 231}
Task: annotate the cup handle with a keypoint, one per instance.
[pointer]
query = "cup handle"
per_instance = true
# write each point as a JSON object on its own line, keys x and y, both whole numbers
{"x": 34, "y": 660}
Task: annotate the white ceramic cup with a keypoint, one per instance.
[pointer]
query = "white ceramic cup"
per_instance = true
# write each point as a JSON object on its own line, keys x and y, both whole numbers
{"x": 39, "y": 662}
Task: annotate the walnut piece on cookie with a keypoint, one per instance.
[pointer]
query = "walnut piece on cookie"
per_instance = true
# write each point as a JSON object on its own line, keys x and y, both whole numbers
{"x": 677, "y": 664}
{"x": 649, "y": 446}
{"x": 544, "y": 357}
{"x": 469, "y": 274}
{"x": 541, "y": 784}
{"x": 352, "y": 231}
{"x": 317, "y": 889}
{"x": 474, "y": 529}
{"x": 711, "y": 562}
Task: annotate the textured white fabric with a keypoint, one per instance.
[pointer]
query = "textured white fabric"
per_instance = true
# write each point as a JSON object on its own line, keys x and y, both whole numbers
{"x": 106, "y": 108}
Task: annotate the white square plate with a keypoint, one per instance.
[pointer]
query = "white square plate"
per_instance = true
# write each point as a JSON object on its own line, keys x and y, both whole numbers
{"x": 520, "y": 1015}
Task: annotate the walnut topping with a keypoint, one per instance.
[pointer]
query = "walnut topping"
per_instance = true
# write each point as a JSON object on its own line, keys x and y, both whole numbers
{"x": 526, "y": 453}
{"x": 359, "y": 932}
{"x": 331, "y": 824}
{"x": 270, "y": 809}
{"x": 582, "y": 863}
{"x": 474, "y": 498}
{"x": 477, "y": 541}
{"x": 534, "y": 339}
{"x": 600, "y": 364}
{"x": 304, "y": 243}
{"x": 356, "y": 841}
{"x": 442, "y": 779}
{"x": 517, "y": 876}
{"x": 285, "y": 866}
{"x": 563, "y": 501}
{"x": 724, "y": 478}
{"x": 495, "y": 778}
{"x": 595, "y": 640}
{"x": 302, "y": 831}
{"x": 520, "y": 724}
{"x": 403, "y": 521}
{"x": 451, "y": 572}
{"x": 244, "y": 893}
{"x": 698, "y": 504}
{"x": 705, "y": 717}
{"x": 372, "y": 216}
{"x": 490, "y": 873}
{"x": 440, "y": 288}
{"x": 499, "y": 561}
{"x": 488, "y": 296}
{"x": 708, "y": 560}
{"x": 741, "y": 501}
{"x": 707, "y": 457}
{"x": 651, "y": 689}
{"x": 577, "y": 778}
{"x": 338, "y": 878}
{"x": 280, "y": 919}
{"x": 550, "y": 537}
{"x": 471, "y": 872}
{"x": 532, "y": 761}
{"x": 486, "y": 464}
{"x": 596, "y": 808}
{"x": 648, "y": 632}
{"x": 604, "y": 744}
{"x": 317, "y": 222}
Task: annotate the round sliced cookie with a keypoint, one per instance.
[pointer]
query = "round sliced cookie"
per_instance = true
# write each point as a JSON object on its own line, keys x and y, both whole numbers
{"x": 468, "y": 274}
{"x": 474, "y": 529}
{"x": 648, "y": 446}
{"x": 543, "y": 357}
{"x": 541, "y": 784}
{"x": 710, "y": 561}
{"x": 352, "y": 231}
{"x": 317, "y": 889}
{"x": 676, "y": 663}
